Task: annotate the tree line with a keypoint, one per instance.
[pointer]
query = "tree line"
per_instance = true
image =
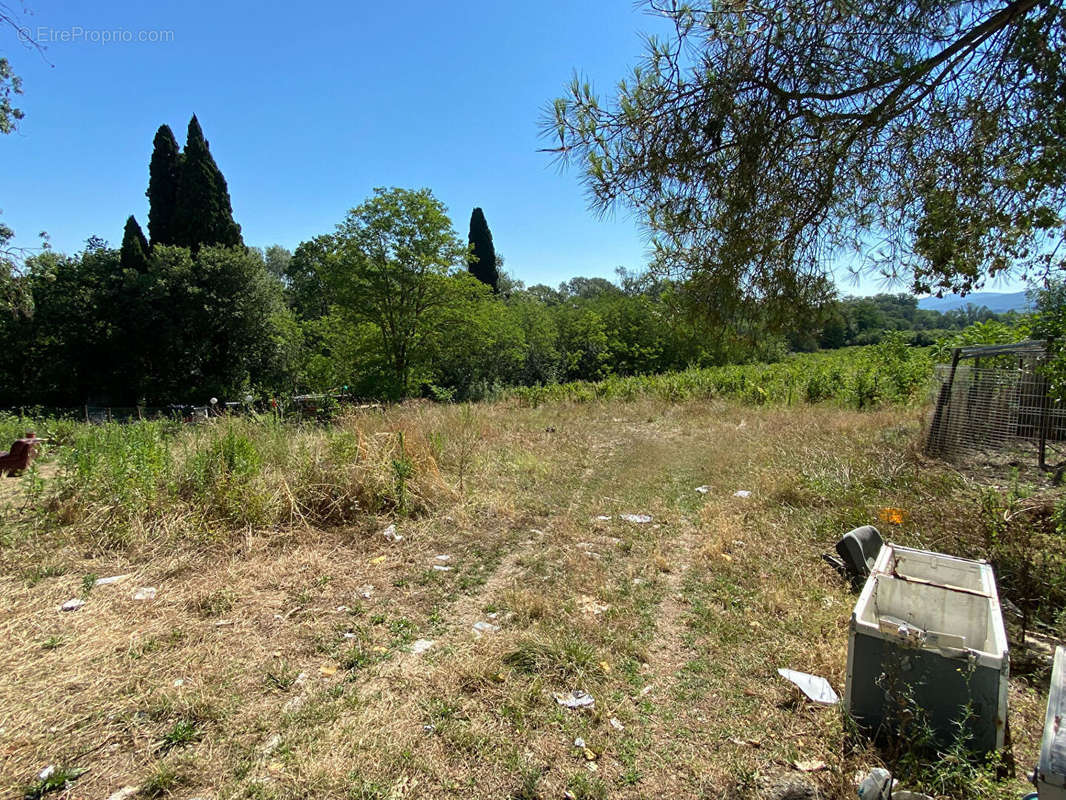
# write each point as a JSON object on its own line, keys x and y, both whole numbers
{"x": 391, "y": 303}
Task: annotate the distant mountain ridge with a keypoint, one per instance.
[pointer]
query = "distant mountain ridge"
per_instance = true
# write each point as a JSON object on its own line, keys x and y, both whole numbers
{"x": 997, "y": 302}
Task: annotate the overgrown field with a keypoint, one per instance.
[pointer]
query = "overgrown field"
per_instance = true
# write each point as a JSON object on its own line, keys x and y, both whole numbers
{"x": 275, "y": 658}
{"x": 857, "y": 377}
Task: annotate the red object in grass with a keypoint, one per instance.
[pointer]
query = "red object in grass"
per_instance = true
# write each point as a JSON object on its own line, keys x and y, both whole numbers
{"x": 22, "y": 452}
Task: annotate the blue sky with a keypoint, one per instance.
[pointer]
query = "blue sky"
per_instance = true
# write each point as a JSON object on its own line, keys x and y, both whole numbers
{"x": 308, "y": 108}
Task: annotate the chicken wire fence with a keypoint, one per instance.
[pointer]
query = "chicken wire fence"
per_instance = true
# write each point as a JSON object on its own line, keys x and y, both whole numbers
{"x": 993, "y": 409}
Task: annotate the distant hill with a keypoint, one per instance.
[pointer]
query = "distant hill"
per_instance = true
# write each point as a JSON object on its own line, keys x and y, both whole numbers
{"x": 997, "y": 302}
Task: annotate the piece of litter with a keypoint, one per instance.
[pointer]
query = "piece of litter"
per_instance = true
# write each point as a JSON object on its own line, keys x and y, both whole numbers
{"x": 647, "y": 690}
{"x": 815, "y": 687}
{"x": 578, "y": 698}
{"x": 46, "y": 773}
{"x": 145, "y": 593}
{"x": 493, "y": 615}
{"x": 73, "y": 604}
{"x": 618, "y": 726}
{"x": 366, "y": 591}
{"x": 589, "y": 753}
{"x": 377, "y": 560}
{"x": 877, "y": 785}
{"x": 703, "y": 489}
{"x": 301, "y": 679}
{"x": 741, "y": 493}
{"x": 349, "y": 635}
{"x": 810, "y": 766}
{"x": 485, "y": 627}
{"x": 637, "y": 519}
{"x": 108, "y": 581}
{"x": 391, "y": 535}
{"x": 893, "y": 516}
{"x": 603, "y": 518}
{"x": 379, "y": 648}
{"x": 223, "y": 623}
{"x": 579, "y": 743}
{"x": 295, "y": 704}
{"x": 179, "y": 682}
{"x": 592, "y": 766}
{"x": 441, "y": 568}
{"x": 443, "y": 557}
{"x": 420, "y": 646}
{"x": 124, "y": 793}
{"x": 341, "y": 609}
{"x": 429, "y": 728}
{"x": 605, "y": 667}
{"x": 327, "y": 670}
{"x": 590, "y": 605}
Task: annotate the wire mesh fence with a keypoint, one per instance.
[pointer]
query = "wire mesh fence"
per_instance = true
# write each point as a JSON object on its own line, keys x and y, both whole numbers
{"x": 997, "y": 415}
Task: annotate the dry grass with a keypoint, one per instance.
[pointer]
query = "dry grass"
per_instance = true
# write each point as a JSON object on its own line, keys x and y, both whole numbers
{"x": 262, "y": 669}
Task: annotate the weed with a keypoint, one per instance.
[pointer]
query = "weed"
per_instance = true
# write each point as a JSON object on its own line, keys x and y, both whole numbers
{"x": 216, "y": 603}
{"x": 587, "y": 787}
{"x": 53, "y": 642}
{"x": 38, "y": 573}
{"x": 88, "y": 583}
{"x": 565, "y": 656}
{"x": 404, "y": 469}
{"x": 53, "y": 779}
{"x": 359, "y": 788}
{"x": 182, "y": 734}
{"x": 528, "y": 783}
{"x": 281, "y": 676}
{"x": 163, "y": 780}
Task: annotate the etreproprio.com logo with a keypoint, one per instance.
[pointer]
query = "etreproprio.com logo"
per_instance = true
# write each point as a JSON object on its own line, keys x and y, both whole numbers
{"x": 43, "y": 35}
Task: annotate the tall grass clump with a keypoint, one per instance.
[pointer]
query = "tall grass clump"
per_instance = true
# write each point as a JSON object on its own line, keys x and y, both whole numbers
{"x": 119, "y": 484}
{"x": 110, "y": 479}
{"x": 221, "y": 472}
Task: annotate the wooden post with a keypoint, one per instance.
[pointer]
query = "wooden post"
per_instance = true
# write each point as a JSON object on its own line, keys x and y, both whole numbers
{"x": 86, "y": 415}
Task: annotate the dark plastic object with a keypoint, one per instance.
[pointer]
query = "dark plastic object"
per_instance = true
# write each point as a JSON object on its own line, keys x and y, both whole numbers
{"x": 858, "y": 549}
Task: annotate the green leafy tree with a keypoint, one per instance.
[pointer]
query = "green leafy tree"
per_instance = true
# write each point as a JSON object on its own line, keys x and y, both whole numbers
{"x": 164, "y": 172}
{"x": 477, "y": 343}
{"x": 234, "y": 328}
{"x": 203, "y": 215}
{"x": 394, "y": 255}
{"x": 277, "y": 260}
{"x": 134, "y": 252}
{"x": 763, "y": 141}
{"x": 10, "y": 85}
{"x": 305, "y": 277}
{"x": 482, "y": 260}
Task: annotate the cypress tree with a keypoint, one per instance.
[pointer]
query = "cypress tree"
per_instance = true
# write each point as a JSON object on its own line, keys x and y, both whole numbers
{"x": 134, "y": 252}
{"x": 483, "y": 265}
{"x": 163, "y": 173}
{"x": 203, "y": 214}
